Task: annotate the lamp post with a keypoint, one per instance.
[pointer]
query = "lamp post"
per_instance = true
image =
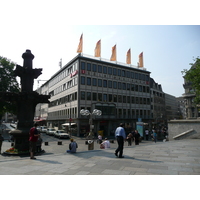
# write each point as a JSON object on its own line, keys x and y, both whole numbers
{"x": 90, "y": 136}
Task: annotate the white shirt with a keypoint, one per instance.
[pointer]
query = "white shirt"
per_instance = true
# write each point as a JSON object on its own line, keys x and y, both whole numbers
{"x": 106, "y": 144}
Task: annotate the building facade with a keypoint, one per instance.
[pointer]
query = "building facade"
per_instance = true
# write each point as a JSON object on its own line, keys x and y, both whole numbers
{"x": 158, "y": 108}
{"x": 120, "y": 91}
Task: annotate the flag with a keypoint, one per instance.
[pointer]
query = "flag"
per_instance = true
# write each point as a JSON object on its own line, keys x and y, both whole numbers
{"x": 114, "y": 52}
{"x": 128, "y": 57}
{"x": 97, "y": 51}
{"x": 141, "y": 60}
{"x": 80, "y": 46}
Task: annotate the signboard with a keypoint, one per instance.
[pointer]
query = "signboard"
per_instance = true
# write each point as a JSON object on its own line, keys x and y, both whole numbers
{"x": 140, "y": 128}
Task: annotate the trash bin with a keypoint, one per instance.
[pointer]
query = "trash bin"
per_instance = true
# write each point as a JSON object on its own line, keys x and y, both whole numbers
{"x": 90, "y": 145}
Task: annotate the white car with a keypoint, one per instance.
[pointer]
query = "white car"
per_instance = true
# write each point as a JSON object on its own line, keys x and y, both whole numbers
{"x": 51, "y": 131}
{"x": 62, "y": 134}
{"x": 43, "y": 129}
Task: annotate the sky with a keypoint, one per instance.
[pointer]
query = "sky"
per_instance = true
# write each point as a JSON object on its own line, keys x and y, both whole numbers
{"x": 52, "y": 29}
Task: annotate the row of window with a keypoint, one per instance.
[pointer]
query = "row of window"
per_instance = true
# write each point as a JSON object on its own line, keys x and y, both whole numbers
{"x": 134, "y": 113}
{"x": 64, "y": 74}
{"x": 113, "y": 84}
{"x": 114, "y": 98}
{"x": 63, "y": 100}
{"x": 64, "y": 87}
{"x": 113, "y": 71}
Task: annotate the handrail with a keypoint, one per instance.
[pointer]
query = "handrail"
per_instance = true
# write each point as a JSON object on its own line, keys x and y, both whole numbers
{"x": 182, "y": 134}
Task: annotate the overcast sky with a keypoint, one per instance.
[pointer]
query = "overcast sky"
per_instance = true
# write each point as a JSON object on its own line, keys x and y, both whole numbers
{"x": 47, "y": 29}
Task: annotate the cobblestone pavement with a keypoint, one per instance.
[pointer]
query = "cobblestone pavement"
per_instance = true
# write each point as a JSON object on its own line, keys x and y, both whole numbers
{"x": 181, "y": 157}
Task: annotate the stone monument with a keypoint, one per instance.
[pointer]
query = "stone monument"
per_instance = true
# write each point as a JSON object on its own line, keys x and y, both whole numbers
{"x": 26, "y": 101}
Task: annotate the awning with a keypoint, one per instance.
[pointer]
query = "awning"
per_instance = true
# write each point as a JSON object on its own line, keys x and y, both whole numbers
{"x": 67, "y": 124}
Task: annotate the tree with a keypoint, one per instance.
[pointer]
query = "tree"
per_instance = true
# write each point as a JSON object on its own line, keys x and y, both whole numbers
{"x": 192, "y": 76}
{"x": 8, "y": 83}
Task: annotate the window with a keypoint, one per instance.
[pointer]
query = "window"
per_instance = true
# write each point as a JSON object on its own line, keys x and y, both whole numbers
{"x": 110, "y": 70}
{"x": 82, "y": 80}
{"x": 114, "y": 71}
{"x": 110, "y": 84}
{"x": 94, "y": 68}
{"x": 104, "y": 83}
{"x": 114, "y": 84}
{"x": 99, "y": 97}
{"x": 94, "y": 82}
{"x": 128, "y": 74}
{"x": 132, "y": 87}
{"x": 123, "y": 73}
{"x": 82, "y": 65}
{"x": 124, "y": 86}
{"x": 128, "y": 86}
{"x": 124, "y": 99}
{"x": 119, "y": 72}
{"x": 120, "y": 98}
{"x": 119, "y": 85}
{"x": 132, "y": 75}
{"x": 105, "y": 97}
{"x": 110, "y": 97}
{"x": 88, "y": 95}
{"x": 104, "y": 69}
{"x": 88, "y": 66}
{"x": 94, "y": 96}
{"x": 82, "y": 95}
{"x": 99, "y": 68}
{"x": 88, "y": 81}
{"x": 136, "y": 75}
{"x": 115, "y": 98}
{"x": 99, "y": 82}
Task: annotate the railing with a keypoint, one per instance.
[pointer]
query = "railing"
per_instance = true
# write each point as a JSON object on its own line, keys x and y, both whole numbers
{"x": 114, "y": 62}
{"x": 183, "y": 134}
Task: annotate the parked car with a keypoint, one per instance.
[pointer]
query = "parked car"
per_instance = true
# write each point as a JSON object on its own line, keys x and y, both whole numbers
{"x": 62, "y": 134}
{"x": 51, "y": 131}
{"x": 43, "y": 129}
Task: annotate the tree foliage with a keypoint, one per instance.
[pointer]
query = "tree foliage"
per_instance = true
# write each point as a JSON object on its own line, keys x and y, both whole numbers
{"x": 8, "y": 83}
{"x": 192, "y": 76}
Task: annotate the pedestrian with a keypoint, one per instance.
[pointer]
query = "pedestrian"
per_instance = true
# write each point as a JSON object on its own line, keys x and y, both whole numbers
{"x": 154, "y": 135}
{"x": 121, "y": 136}
{"x": 137, "y": 137}
{"x": 129, "y": 139}
{"x": 99, "y": 139}
{"x": 33, "y": 138}
{"x": 1, "y": 141}
{"x": 39, "y": 144}
{"x": 72, "y": 146}
{"x": 147, "y": 134}
{"x": 105, "y": 144}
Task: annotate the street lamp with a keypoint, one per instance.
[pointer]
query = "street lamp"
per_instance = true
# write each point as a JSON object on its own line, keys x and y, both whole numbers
{"x": 90, "y": 136}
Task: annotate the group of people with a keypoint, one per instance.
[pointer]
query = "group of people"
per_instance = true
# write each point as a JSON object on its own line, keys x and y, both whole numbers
{"x": 34, "y": 138}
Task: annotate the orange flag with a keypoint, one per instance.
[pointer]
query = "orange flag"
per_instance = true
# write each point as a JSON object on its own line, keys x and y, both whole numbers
{"x": 114, "y": 54}
{"x": 128, "y": 57}
{"x": 80, "y": 46}
{"x": 97, "y": 51}
{"x": 141, "y": 60}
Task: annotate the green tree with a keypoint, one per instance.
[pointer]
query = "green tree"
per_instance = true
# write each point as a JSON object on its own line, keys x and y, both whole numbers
{"x": 8, "y": 83}
{"x": 192, "y": 76}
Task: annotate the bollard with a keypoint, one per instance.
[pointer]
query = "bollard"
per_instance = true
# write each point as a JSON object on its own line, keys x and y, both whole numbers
{"x": 46, "y": 143}
{"x": 59, "y": 142}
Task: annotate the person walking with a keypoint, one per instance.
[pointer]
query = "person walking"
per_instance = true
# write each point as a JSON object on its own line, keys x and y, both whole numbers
{"x": 137, "y": 137}
{"x": 147, "y": 134}
{"x": 33, "y": 138}
{"x": 154, "y": 135}
{"x": 129, "y": 139}
{"x": 121, "y": 136}
{"x": 1, "y": 141}
{"x": 72, "y": 146}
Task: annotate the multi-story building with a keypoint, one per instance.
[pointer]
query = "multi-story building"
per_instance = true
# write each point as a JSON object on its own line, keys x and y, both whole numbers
{"x": 120, "y": 91}
{"x": 171, "y": 106}
{"x": 158, "y": 112}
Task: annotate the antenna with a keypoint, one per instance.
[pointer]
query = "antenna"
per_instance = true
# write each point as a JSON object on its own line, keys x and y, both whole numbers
{"x": 60, "y": 63}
